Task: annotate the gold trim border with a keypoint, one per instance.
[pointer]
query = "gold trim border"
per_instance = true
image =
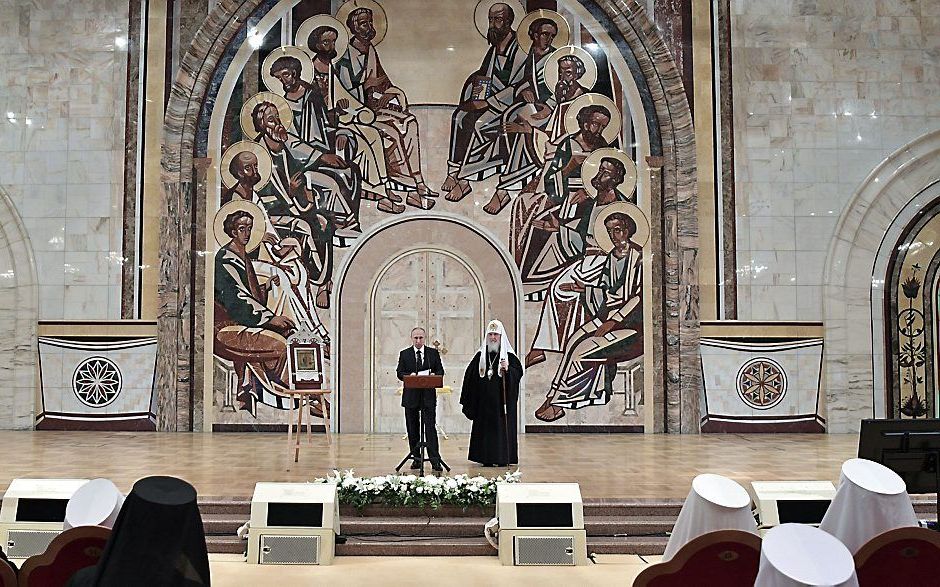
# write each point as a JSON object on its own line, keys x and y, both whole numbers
{"x": 98, "y": 328}
{"x": 761, "y": 329}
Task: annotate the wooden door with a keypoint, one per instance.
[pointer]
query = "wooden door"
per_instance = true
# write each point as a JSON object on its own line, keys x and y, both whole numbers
{"x": 439, "y": 292}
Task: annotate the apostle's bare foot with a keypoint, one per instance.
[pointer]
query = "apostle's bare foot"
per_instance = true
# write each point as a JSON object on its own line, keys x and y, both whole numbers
{"x": 547, "y": 412}
{"x": 534, "y": 358}
{"x": 323, "y": 298}
{"x": 395, "y": 197}
{"x": 387, "y": 205}
{"x": 459, "y": 191}
{"x": 496, "y": 204}
{"x": 450, "y": 182}
{"x": 419, "y": 201}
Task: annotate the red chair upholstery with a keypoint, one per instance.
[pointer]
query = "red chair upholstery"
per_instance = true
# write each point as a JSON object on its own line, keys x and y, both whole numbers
{"x": 726, "y": 557}
{"x": 7, "y": 574}
{"x": 74, "y": 549}
{"x": 903, "y": 556}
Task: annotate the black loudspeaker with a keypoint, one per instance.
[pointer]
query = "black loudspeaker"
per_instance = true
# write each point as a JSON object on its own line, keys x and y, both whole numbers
{"x": 544, "y": 515}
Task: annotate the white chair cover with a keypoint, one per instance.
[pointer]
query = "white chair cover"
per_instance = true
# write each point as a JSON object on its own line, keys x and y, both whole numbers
{"x": 799, "y": 555}
{"x": 96, "y": 503}
{"x": 715, "y": 503}
{"x": 871, "y": 500}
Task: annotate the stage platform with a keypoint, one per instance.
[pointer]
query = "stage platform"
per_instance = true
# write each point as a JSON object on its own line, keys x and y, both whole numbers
{"x": 633, "y": 484}
{"x": 633, "y": 466}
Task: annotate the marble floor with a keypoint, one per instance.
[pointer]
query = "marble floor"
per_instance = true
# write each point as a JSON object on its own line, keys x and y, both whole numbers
{"x": 231, "y": 570}
{"x": 606, "y": 465}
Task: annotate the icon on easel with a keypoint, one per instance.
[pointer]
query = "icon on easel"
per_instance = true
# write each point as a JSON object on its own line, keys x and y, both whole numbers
{"x": 305, "y": 355}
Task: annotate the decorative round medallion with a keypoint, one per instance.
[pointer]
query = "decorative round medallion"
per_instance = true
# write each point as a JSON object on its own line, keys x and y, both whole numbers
{"x": 762, "y": 383}
{"x": 96, "y": 381}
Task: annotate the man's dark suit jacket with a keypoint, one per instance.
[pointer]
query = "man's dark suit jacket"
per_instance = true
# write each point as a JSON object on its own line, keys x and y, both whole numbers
{"x": 416, "y": 398}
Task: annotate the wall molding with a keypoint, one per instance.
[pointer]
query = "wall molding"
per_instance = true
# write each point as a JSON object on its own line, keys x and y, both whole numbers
{"x": 853, "y": 295}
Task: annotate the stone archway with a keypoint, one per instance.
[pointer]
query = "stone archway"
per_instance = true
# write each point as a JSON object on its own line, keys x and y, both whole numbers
{"x": 19, "y": 312}
{"x": 673, "y": 278}
{"x": 363, "y": 264}
{"x": 855, "y": 266}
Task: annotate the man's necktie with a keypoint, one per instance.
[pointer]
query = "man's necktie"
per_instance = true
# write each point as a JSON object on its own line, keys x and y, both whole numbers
{"x": 420, "y": 362}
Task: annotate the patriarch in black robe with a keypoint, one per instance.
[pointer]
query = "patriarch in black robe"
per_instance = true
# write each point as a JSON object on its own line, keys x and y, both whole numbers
{"x": 490, "y": 397}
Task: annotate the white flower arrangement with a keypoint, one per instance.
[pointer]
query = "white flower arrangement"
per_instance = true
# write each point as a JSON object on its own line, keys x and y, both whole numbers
{"x": 414, "y": 491}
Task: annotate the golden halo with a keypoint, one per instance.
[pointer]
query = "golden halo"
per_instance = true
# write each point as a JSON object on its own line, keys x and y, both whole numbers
{"x": 481, "y": 14}
{"x": 306, "y": 67}
{"x": 592, "y": 165}
{"x": 639, "y": 238}
{"x": 590, "y": 67}
{"x": 283, "y": 109}
{"x": 379, "y": 18}
{"x": 264, "y": 162}
{"x": 303, "y": 33}
{"x": 561, "y": 39}
{"x": 571, "y": 115}
{"x": 257, "y": 227}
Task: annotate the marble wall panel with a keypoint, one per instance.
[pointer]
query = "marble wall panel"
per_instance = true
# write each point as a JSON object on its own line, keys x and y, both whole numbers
{"x": 94, "y": 384}
{"x": 823, "y": 92}
{"x": 62, "y": 111}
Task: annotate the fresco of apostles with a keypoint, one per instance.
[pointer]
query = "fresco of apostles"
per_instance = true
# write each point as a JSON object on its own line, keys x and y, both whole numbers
{"x": 333, "y": 129}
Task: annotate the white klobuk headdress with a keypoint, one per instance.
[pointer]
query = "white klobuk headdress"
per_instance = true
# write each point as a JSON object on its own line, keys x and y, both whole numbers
{"x": 505, "y": 347}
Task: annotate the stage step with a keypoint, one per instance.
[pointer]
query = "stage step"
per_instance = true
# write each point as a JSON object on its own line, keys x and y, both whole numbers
{"x": 613, "y": 527}
{"x": 228, "y": 544}
{"x": 419, "y": 546}
{"x": 440, "y": 546}
{"x": 226, "y": 525}
{"x": 450, "y": 536}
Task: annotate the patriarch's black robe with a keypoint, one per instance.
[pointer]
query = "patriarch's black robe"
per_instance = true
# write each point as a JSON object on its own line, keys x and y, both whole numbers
{"x": 493, "y": 437}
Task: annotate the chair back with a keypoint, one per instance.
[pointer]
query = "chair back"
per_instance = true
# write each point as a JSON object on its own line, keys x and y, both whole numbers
{"x": 903, "y": 556}
{"x": 70, "y": 551}
{"x": 724, "y": 557}
{"x": 7, "y": 574}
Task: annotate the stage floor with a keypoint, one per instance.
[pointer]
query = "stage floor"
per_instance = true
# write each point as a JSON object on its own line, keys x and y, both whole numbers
{"x": 634, "y": 466}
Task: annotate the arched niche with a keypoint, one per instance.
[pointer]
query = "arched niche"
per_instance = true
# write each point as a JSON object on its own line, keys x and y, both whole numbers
{"x": 663, "y": 113}
{"x": 856, "y": 268}
{"x": 19, "y": 312}
{"x": 363, "y": 265}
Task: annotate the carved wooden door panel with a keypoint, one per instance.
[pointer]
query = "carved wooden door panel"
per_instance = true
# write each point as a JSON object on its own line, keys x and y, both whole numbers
{"x": 437, "y": 291}
{"x": 454, "y": 328}
{"x": 399, "y": 302}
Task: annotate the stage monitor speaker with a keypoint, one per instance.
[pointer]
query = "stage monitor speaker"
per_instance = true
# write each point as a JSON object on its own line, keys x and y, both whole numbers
{"x": 541, "y": 524}
{"x": 293, "y": 524}
{"x": 800, "y": 502}
{"x": 33, "y": 513}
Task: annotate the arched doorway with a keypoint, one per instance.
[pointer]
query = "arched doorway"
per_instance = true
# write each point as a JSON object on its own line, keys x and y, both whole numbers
{"x": 431, "y": 268}
{"x": 439, "y": 291}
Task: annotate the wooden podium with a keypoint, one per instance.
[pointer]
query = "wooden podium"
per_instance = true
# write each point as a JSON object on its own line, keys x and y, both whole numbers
{"x": 423, "y": 381}
{"x": 418, "y": 453}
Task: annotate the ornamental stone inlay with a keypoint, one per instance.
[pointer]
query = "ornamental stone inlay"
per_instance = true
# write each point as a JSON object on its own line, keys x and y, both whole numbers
{"x": 96, "y": 382}
{"x": 761, "y": 383}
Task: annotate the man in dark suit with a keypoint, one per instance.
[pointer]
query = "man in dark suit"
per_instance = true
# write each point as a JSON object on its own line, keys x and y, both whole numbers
{"x": 412, "y": 361}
